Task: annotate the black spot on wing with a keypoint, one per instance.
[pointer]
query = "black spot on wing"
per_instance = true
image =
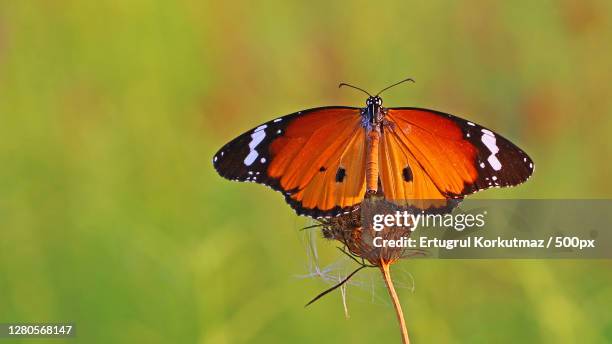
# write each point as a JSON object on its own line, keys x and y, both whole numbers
{"x": 407, "y": 174}
{"x": 340, "y": 174}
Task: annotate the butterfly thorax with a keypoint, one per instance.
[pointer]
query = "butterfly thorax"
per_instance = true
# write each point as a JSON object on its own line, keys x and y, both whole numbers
{"x": 373, "y": 114}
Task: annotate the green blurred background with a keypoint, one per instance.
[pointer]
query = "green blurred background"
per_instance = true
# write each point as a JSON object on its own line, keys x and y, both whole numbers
{"x": 112, "y": 217}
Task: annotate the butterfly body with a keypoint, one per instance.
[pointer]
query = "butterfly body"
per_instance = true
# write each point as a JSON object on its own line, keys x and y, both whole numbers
{"x": 372, "y": 117}
{"x": 325, "y": 160}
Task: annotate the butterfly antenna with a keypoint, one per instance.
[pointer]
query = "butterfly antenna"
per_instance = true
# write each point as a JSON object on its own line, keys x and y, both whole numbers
{"x": 355, "y": 87}
{"x": 397, "y": 83}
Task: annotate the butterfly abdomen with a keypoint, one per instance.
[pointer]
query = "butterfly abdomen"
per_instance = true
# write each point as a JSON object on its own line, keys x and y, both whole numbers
{"x": 373, "y": 137}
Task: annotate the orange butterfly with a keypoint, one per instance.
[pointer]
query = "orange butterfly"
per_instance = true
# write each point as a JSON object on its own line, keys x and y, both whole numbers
{"x": 324, "y": 160}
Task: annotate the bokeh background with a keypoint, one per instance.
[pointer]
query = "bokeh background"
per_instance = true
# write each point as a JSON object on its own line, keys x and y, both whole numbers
{"x": 112, "y": 217}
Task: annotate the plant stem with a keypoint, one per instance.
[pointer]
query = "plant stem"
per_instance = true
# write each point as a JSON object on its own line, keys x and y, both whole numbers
{"x": 384, "y": 268}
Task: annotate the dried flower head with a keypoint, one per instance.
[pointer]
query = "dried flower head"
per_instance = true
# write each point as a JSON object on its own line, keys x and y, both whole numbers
{"x": 356, "y": 232}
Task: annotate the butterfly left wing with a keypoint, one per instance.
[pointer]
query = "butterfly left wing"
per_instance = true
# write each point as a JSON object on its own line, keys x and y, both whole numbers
{"x": 315, "y": 157}
{"x": 427, "y": 154}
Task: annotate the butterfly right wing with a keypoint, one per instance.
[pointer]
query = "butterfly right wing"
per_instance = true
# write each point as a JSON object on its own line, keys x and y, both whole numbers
{"x": 438, "y": 156}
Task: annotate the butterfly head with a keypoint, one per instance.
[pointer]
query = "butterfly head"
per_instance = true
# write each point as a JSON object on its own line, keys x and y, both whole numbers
{"x": 374, "y": 101}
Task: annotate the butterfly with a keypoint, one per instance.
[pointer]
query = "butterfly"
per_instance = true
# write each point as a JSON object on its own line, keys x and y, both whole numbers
{"x": 326, "y": 160}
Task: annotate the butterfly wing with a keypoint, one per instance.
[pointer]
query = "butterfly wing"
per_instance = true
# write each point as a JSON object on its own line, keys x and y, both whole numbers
{"x": 315, "y": 157}
{"x": 429, "y": 155}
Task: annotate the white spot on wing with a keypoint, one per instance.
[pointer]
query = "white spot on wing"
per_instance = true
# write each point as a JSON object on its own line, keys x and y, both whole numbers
{"x": 250, "y": 158}
{"x": 257, "y": 136}
{"x": 489, "y": 140}
{"x": 494, "y": 162}
{"x": 488, "y": 132}
{"x": 277, "y": 120}
{"x": 470, "y": 123}
{"x": 263, "y": 160}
